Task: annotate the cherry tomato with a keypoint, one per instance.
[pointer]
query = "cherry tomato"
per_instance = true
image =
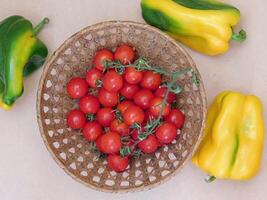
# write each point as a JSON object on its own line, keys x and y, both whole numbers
{"x": 129, "y": 90}
{"x": 124, "y": 105}
{"x": 98, "y": 143}
{"x": 176, "y": 117}
{"x": 133, "y": 114}
{"x": 117, "y": 163}
{"x": 105, "y": 116}
{"x": 148, "y": 116}
{"x": 89, "y": 104}
{"x": 166, "y": 133}
{"x": 93, "y": 76}
{"x": 102, "y": 56}
{"x": 151, "y": 80}
{"x": 110, "y": 143}
{"x": 91, "y": 131}
{"x": 161, "y": 91}
{"x": 132, "y": 75}
{"x": 77, "y": 88}
{"x": 76, "y": 119}
{"x": 156, "y": 106}
{"x": 149, "y": 145}
{"x": 108, "y": 99}
{"x": 119, "y": 127}
{"x": 125, "y": 54}
{"x": 143, "y": 97}
{"x": 112, "y": 81}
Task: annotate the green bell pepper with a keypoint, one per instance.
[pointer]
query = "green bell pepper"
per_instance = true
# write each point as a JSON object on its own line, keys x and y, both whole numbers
{"x": 21, "y": 53}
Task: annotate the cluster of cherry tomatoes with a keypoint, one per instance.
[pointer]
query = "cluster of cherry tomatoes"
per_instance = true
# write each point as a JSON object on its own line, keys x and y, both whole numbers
{"x": 128, "y": 114}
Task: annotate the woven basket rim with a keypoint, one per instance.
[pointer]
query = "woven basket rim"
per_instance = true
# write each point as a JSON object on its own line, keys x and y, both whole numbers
{"x": 52, "y": 58}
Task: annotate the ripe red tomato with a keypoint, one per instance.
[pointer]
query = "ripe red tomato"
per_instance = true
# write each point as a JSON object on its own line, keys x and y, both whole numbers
{"x": 93, "y": 76}
{"x": 166, "y": 133}
{"x": 110, "y": 143}
{"x": 77, "y": 88}
{"x": 135, "y": 133}
{"x": 143, "y": 97}
{"x": 119, "y": 127}
{"x": 149, "y": 145}
{"x": 105, "y": 116}
{"x": 161, "y": 91}
{"x": 176, "y": 117}
{"x": 148, "y": 116}
{"x": 129, "y": 90}
{"x": 133, "y": 114}
{"x": 91, "y": 131}
{"x": 151, "y": 80}
{"x": 112, "y": 81}
{"x": 108, "y": 99}
{"x": 76, "y": 119}
{"x": 102, "y": 56}
{"x": 98, "y": 143}
{"x": 125, "y": 54}
{"x": 89, "y": 104}
{"x": 156, "y": 106}
{"x": 124, "y": 105}
{"x": 132, "y": 75}
{"x": 117, "y": 163}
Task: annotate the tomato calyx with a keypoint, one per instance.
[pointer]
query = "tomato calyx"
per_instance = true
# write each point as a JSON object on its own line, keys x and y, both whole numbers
{"x": 90, "y": 117}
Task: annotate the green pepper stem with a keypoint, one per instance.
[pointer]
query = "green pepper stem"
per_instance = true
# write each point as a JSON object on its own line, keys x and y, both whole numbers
{"x": 241, "y": 36}
{"x": 40, "y": 26}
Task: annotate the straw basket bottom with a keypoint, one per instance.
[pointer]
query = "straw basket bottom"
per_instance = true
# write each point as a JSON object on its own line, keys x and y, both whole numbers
{"x": 67, "y": 146}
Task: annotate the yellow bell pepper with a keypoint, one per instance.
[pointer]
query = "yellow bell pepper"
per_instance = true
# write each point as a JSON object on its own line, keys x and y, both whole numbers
{"x": 204, "y": 25}
{"x": 233, "y": 138}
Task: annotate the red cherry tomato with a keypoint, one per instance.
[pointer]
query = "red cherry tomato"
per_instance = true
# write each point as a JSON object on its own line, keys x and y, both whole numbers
{"x": 93, "y": 76}
{"x": 135, "y": 133}
{"x": 102, "y": 56}
{"x": 89, "y": 104}
{"x": 133, "y": 114}
{"x": 176, "y": 117}
{"x": 161, "y": 91}
{"x": 117, "y": 163}
{"x": 110, "y": 143}
{"x": 98, "y": 143}
{"x": 151, "y": 80}
{"x": 132, "y": 75}
{"x": 119, "y": 127}
{"x": 112, "y": 81}
{"x": 105, "y": 116}
{"x": 124, "y": 105}
{"x": 77, "y": 88}
{"x": 91, "y": 131}
{"x": 76, "y": 119}
{"x": 129, "y": 90}
{"x": 108, "y": 99}
{"x": 143, "y": 97}
{"x": 148, "y": 116}
{"x": 156, "y": 106}
{"x": 125, "y": 54}
{"x": 149, "y": 145}
{"x": 166, "y": 133}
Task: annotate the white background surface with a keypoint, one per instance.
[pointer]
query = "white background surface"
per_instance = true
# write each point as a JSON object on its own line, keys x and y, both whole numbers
{"x": 27, "y": 171}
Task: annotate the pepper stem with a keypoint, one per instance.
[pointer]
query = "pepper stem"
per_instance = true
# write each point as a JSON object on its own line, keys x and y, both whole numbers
{"x": 40, "y": 26}
{"x": 210, "y": 179}
{"x": 241, "y": 36}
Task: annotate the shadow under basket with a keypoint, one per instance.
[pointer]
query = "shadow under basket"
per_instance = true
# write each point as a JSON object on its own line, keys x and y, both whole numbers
{"x": 75, "y": 155}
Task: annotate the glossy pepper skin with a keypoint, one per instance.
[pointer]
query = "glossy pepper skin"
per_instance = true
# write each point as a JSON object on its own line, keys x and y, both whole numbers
{"x": 233, "y": 139}
{"x": 21, "y": 53}
{"x": 204, "y": 25}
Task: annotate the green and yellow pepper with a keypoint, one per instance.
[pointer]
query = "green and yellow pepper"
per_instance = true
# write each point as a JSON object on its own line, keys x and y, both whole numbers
{"x": 233, "y": 138}
{"x": 21, "y": 53}
{"x": 204, "y": 25}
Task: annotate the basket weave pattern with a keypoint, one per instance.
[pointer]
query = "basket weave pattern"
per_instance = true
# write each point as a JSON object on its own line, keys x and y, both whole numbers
{"x": 68, "y": 147}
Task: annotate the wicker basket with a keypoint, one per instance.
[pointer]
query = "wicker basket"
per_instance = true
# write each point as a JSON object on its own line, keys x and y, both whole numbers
{"x": 72, "y": 152}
